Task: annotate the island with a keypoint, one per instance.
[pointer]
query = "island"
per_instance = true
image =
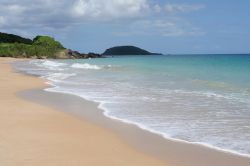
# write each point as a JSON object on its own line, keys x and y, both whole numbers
{"x": 41, "y": 47}
{"x": 127, "y": 50}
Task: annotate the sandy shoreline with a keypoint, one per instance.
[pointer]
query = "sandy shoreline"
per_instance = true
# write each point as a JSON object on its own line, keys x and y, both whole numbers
{"x": 177, "y": 153}
{"x": 134, "y": 147}
{"x": 35, "y": 134}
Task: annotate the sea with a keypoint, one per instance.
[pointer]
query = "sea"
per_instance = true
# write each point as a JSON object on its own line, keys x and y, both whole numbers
{"x": 197, "y": 99}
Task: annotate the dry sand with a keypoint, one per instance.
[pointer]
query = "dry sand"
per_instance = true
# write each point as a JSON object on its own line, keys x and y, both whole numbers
{"x": 32, "y": 134}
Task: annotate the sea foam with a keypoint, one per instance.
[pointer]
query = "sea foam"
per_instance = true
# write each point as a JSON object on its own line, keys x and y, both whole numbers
{"x": 85, "y": 66}
{"x": 48, "y": 64}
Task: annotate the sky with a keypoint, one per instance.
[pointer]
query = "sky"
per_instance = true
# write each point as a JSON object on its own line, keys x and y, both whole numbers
{"x": 164, "y": 26}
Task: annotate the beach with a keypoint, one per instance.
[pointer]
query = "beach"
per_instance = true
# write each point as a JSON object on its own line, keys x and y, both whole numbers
{"x": 47, "y": 128}
{"x": 33, "y": 134}
{"x": 124, "y": 83}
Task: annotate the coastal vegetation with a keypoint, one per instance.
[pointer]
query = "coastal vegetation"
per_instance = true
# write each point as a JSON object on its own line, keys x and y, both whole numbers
{"x": 10, "y": 38}
{"x": 39, "y": 47}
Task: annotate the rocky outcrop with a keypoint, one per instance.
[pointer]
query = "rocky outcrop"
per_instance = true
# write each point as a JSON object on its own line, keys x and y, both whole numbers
{"x": 76, "y": 55}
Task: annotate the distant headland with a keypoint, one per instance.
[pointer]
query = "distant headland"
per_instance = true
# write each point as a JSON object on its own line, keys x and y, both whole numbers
{"x": 46, "y": 47}
{"x": 127, "y": 50}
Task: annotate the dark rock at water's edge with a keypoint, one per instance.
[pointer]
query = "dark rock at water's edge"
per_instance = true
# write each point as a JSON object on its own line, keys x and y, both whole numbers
{"x": 127, "y": 50}
{"x": 77, "y": 55}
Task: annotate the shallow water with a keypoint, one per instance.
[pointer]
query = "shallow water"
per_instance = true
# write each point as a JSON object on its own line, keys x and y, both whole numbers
{"x": 196, "y": 98}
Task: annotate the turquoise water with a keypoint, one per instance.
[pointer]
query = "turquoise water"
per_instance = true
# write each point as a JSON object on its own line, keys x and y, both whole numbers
{"x": 203, "y": 99}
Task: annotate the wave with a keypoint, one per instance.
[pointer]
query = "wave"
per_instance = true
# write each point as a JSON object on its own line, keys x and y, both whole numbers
{"x": 59, "y": 77}
{"x": 211, "y": 94}
{"x": 85, "y": 66}
{"x": 47, "y": 64}
{"x": 89, "y": 66}
{"x": 53, "y": 64}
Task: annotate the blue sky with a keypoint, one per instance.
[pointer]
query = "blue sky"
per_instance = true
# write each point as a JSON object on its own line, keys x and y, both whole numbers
{"x": 166, "y": 26}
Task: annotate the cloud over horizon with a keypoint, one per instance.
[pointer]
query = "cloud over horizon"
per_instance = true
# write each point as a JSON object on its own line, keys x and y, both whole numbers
{"x": 47, "y": 15}
{"x": 110, "y": 9}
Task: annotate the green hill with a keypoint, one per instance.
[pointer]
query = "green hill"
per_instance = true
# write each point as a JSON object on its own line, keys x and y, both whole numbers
{"x": 10, "y": 38}
{"x": 127, "y": 50}
{"x": 40, "y": 47}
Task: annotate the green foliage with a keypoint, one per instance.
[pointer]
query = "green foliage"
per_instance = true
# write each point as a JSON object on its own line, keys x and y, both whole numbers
{"x": 13, "y": 50}
{"x": 10, "y": 38}
{"x": 47, "y": 41}
{"x": 42, "y": 46}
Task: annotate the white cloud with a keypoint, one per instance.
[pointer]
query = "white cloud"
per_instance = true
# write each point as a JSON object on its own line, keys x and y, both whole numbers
{"x": 175, "y": 8}
{"x": 15, "y": 9}
{"x": 59, "y": 13}
{"x": 109, "y": 9}
{"x": 49, "y": 15}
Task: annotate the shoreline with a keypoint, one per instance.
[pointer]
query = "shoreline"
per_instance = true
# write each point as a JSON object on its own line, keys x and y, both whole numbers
{"x": 184, "y": 153}
{"x": 35, "y": 134}
{"x": 206, "y": 145}
{"x": 105, "y": 114}
{"x": 153, "y": 145}
{"x": 176, "y": 152}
